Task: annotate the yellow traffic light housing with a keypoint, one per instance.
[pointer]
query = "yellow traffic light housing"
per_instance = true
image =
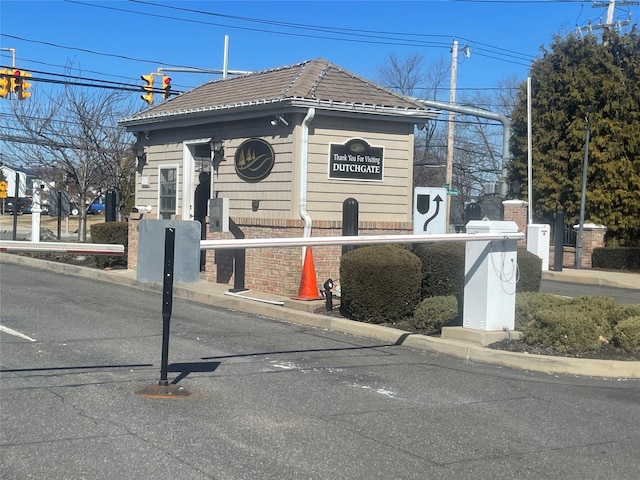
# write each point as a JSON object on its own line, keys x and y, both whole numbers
{"x": 4, "y": 83}
{"x": 18, "y": 84}
{"x": 148, "y": 88}
{"x": 166, "y": 86}
{"x": 14, "y": 80}
{"x": 22, "y": 91}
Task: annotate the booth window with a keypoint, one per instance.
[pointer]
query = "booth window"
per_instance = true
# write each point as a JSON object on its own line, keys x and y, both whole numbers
{"x": 168, "y": 192}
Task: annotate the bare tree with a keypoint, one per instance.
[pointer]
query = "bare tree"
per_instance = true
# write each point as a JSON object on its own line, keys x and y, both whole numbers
{"x": 478, "y": 141}
{"x": 403, "y": 74}
{"x": 71, "y": 133}
{"x": 410, "y": 76}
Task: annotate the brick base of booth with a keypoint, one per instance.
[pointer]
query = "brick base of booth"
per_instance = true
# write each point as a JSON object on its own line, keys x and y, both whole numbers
{"x": 275, "y": 270}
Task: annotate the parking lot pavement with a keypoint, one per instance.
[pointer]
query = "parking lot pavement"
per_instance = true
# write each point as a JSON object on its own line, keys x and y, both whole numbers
{"x": 273, "y": 399}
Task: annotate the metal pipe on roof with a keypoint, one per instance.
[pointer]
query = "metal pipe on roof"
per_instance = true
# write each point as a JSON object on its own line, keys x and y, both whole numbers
{"x": 478, "y": 112}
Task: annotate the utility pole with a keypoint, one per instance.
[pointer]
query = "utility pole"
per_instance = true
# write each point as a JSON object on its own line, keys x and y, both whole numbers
{"x": 611, "y": 7}
{"x": 452, "y": 100}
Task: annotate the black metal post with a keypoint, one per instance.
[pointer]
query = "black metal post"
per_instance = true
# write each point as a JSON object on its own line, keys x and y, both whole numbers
{"x": 167, "y": 300}
{"x": 110, "y": 206}
{"x": 59, "y": 212}
{"x": 239, "y": 259}
{"x": 349, "y": 221}
{"x": 558, "y": 241}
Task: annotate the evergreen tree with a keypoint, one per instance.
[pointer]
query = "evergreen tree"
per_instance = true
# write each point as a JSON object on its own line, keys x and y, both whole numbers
{"x": 582, "y": 80}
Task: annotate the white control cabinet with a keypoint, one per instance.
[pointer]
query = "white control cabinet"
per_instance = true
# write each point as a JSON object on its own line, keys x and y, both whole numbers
{"x": 490, "y": 275}
{"x": 538, "y": 240}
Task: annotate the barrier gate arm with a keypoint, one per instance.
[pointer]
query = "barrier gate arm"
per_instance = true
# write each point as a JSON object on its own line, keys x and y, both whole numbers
{"x": 353, "y": 240}
{"x": 10, "y": 246}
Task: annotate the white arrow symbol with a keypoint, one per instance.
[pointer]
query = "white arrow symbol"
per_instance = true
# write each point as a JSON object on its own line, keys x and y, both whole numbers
{"x": 437, "y": 200}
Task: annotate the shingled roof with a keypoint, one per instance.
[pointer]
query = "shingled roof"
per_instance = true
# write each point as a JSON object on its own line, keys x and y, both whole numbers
{"x": 311, "y": 83}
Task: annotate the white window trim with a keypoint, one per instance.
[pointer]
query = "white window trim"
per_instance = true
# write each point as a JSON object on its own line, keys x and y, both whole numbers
{"x": 188, "y": 169}
{"x": 168, "y": 166}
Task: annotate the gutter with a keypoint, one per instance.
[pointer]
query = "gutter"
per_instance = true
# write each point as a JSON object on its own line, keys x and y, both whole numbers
{"x": 304, "y": 160}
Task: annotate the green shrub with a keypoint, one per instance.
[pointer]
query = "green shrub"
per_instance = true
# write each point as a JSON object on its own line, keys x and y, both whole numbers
{"x": 529, "y": 271}
{"x": 379, "y": 283}
{"x": 622, "y": 312}
{"x": 111, "y": 233}
{"x": 627, "y": 334}
{"x": 528, "y": 303}
{"x": 562, "y": 330}
{"x": 443, "y": 269}
{"x": 616, "y": 258}
{"x": 599, "y": 309}
{"x": 433, "y": 313}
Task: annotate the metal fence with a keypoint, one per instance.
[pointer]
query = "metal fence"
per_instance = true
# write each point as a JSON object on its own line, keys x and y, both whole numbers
{"x": 568, "y": 236}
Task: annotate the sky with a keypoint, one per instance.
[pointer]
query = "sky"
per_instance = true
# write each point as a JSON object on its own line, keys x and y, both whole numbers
{"x": 117, "y": 41}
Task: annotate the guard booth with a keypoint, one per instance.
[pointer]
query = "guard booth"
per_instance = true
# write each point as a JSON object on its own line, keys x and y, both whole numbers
{"x": 282, "y": 149}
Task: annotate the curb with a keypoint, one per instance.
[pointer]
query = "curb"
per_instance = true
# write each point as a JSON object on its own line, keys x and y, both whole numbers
{"x": 467, "y": 351}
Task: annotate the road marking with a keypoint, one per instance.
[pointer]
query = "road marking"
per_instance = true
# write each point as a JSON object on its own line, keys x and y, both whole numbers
{"x": 15, "y": 333}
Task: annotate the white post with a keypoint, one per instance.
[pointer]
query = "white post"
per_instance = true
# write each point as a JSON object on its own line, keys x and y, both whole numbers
{"x": 35, "y": 213}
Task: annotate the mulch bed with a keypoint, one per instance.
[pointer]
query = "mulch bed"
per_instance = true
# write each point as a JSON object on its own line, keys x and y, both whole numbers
{"x": 605, "y": 352}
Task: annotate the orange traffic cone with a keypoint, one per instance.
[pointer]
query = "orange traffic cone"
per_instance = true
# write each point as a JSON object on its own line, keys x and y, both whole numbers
{"x": 308, "y": 286}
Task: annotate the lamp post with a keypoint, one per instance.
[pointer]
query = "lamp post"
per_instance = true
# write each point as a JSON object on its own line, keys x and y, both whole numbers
{"x": 583, "y": 192}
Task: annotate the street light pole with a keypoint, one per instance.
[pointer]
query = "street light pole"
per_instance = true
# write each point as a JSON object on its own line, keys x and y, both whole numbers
{"x": 585, "y": 166}
{"x": 450, "y": 135}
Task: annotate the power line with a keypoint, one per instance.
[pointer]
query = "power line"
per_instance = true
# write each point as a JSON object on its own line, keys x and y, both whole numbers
{"x": 354, "y": 36}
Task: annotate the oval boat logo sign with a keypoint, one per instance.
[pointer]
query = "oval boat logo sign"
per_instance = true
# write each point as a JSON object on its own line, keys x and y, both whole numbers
{"x": 254, "y": 160}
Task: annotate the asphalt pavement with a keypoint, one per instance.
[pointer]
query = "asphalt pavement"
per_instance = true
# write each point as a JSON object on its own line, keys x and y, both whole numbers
{"x": 274, "y": 399}
{"x": 302, "y": 312}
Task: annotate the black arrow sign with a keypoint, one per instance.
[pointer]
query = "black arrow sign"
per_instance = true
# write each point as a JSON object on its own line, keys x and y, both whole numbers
{"x": 437, "y": 200}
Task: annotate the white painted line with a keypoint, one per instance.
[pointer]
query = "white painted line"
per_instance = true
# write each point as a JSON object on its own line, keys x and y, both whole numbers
{"x": 15, "y": 333}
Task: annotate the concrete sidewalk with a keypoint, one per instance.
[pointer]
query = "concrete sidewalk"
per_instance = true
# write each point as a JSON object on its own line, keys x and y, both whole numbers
{"x": 302, "y": 312}
{"x": 609, "y": 278}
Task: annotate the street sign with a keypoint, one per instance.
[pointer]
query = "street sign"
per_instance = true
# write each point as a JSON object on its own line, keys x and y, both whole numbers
{"x": 452, "y": 192}
{"x": 429, "y": 210}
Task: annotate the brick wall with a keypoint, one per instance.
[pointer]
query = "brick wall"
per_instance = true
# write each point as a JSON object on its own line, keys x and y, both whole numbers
{"x": 516, "y": 211}
{"x": 278, "y": 269}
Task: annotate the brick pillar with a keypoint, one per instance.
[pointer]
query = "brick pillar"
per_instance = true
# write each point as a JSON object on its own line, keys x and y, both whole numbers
{"x": 516, "y": 211}
{"x": 134, "y": 221}
{"x": 592, "y": 238}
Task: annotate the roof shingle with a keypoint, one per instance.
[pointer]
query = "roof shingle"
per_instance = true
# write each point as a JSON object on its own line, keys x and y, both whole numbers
{"x": 317, "y": 80}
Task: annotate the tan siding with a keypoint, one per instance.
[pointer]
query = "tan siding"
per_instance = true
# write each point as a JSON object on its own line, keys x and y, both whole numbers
{"x": 384, "y": 200}
{"x": 274, "y": 193}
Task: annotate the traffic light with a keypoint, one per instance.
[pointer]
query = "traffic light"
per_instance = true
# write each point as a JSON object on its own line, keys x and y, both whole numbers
{"x": 18, "y": 84}
{"x": 166, "y": 86}
{"x": 4, "y": 83}
{"x": 148, "y": 88}
{"x": 22, "y": 86}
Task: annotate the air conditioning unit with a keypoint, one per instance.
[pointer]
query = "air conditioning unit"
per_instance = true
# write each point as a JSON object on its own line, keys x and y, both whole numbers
{"x": 491, "y": 188}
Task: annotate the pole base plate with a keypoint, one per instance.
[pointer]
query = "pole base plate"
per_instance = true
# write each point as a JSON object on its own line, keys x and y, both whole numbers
{"x": 163, "y": 391}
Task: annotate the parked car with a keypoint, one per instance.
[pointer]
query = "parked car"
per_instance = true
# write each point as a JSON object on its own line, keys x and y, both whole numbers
{"x": 97, "y": 206}
{"x": 23, "y": 204}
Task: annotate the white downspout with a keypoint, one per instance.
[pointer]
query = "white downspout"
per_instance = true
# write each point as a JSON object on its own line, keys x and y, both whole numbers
{"x": 304, "y": 153}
